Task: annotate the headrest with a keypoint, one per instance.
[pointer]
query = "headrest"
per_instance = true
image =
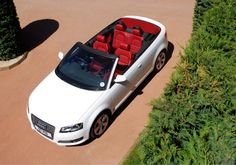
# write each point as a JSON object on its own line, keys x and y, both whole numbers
{"x": 137, "y": 32}
{"x": 124, "y": 46}
{"x": 120, "y": 27}
{"x": 100, "y": 38}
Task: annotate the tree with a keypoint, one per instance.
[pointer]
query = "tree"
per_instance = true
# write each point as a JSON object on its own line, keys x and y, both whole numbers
{"x": 10, "y": 44}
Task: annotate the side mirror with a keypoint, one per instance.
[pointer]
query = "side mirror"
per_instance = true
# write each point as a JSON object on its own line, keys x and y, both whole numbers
{"x": 60, "y": 55}
{"x": 120, "y": 78}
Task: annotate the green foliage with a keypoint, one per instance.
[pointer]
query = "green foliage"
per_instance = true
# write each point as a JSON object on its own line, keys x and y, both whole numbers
{"x": 194, "y": 122}
{"x": 201, "y": 6}
{"x": 9, "y": 31}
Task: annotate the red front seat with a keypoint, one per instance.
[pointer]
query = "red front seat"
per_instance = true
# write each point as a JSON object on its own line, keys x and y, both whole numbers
{"x": 100, "y": 44}
{"x": 124, "y": 54}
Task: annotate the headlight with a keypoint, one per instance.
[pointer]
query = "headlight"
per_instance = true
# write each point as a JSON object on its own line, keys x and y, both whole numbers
{"x": 72, "y": 128}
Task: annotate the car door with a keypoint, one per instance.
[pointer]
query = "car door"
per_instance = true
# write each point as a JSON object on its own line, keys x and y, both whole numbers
{"x": 119, "y": 91}
{"x": 144, "y": 65}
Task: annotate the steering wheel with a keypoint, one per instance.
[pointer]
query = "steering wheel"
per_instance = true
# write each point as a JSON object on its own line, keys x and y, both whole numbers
{"x": 83, "y": 63}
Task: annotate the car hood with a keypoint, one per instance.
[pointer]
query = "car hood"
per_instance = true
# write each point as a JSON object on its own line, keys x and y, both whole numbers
{"x": 59, "y": 103}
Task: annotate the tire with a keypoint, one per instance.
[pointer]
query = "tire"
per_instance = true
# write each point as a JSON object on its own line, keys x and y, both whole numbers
{"x": 100, "y": 125}
{"x": 160, "y": 61}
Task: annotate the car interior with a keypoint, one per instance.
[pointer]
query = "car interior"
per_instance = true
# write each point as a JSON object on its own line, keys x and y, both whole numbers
{"x": 127, "y": 38}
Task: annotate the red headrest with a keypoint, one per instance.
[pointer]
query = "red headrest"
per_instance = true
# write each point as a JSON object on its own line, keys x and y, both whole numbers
{"x": 137, "y": 32}
{"x": 120, "y": 27}
{"x": 124, "y": 46}
{"x": 100, "y": 38}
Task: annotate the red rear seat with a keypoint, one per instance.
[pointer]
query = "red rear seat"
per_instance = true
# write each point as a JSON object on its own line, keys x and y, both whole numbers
{"x": 136, "y": 41}
{"x": 124, "y": 54}
{"x": 133, "y": 39}
{"x": 119, "y": 36}
{"x": 100, "y": 44}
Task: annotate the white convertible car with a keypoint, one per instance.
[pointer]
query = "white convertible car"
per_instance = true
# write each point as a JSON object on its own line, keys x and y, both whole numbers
{"x": 76, "y": 101}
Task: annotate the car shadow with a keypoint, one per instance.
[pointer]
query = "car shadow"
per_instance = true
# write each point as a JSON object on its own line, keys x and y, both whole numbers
{"x": 138, "y": 91}
{"x": 37, "y": 32}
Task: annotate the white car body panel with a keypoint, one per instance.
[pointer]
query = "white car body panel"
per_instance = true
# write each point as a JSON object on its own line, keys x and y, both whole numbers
{"x": 50, "y": 101}
{"x": 62, "y": 104}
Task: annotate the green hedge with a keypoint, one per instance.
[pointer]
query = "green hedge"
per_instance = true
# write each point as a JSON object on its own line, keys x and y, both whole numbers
{"x": 10, "y": 44}
{"x": 195, "y": 119}
{"x": 201, "y": 7}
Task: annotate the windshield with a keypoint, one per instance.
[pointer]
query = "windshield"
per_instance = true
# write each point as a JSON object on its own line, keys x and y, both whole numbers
{"x": 86, "y": 68}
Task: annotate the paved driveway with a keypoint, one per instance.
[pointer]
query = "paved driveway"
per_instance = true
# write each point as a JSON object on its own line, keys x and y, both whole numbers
{"x": 53, "y": 26}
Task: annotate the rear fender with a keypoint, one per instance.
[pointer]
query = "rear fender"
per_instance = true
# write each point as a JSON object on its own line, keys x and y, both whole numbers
{"x": 161, "y": 48}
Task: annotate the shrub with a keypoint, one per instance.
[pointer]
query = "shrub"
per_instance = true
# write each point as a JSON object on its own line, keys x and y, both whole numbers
{"x": 201, "y": 6}
{"x": 195, "y": 119}
{"x": 10, "y": 46}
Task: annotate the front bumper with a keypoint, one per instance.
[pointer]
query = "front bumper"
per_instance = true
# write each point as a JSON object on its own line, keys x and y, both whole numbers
{"x": 62, "y": 139}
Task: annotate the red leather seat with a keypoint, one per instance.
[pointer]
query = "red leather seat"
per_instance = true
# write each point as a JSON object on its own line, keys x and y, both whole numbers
{"x": 117, "y": 72}
{"x": 95, "y": 67}
{"x": 100, "y": 44}
{"x": 136, "y": 41}
{"x": 119, "y": 36}
{"x": 124, "y": 54}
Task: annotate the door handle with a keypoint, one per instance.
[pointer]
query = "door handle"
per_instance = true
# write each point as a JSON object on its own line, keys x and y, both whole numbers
{"x": 139, "y": 65}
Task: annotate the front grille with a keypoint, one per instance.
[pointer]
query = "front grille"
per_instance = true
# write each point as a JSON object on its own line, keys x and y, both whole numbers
{"x": 43, "y": 127}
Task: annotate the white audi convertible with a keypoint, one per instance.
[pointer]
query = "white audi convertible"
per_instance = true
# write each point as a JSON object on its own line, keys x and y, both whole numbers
{"x": 76, "y": 101}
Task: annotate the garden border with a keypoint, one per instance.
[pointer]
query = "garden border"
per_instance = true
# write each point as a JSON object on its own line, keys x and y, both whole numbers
{"x": 9, "y": 64}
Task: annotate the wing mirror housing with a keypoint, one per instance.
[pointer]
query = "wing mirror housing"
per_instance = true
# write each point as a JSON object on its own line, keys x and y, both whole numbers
{"x": 120, "y": 78}
{"x": 60, "y": 55}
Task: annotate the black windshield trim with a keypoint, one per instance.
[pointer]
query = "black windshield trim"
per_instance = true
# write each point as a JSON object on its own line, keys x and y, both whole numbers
{"x": 94, "y": 51}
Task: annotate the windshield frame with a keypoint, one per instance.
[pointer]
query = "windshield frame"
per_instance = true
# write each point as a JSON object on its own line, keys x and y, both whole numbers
{"x": 93, "y": 52}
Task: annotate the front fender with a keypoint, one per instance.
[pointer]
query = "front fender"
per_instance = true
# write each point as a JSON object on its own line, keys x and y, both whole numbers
{"x": 92, "y": 116}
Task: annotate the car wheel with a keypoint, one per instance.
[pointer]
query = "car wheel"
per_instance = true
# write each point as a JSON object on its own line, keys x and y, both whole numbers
{"x": 100, "y": 125}
{"x": 160, "y": 61}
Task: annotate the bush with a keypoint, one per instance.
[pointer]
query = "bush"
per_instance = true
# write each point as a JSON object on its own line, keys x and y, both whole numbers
{"x": 201, "y": 6}
{"x": 10, "y": 46}
{"x": 195, "y": 119}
